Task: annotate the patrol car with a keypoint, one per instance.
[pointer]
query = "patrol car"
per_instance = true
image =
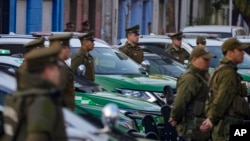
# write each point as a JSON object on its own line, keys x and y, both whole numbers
{"x": 116, "y": 72}
{"x": 223, "y": 31}
{"x": 163, "y": 65}
{"x": 89, "y": 97}
{"x": 158, "y": 44}
{"x": 95, "y": 100}
{"x": 75, "y": 125}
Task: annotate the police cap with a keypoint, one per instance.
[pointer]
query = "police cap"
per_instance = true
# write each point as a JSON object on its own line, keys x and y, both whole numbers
{"x": 60, "y": 39}
{"x": 201, "y": 52}
{"x": 134, "y": 29}
{"x": 38, "y": 58}
{"x": 85, "y": 23}
{"x": 88, "y": 36}
{"x": 37, "y": 43}
{"x": 177, "y": 35}
{"x": 70, "y": 24}
{"x": 232, "y": 43}
{"x": 201, "y": 39}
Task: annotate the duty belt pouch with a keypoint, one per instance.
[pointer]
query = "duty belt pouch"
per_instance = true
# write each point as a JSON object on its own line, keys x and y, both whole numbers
{"x": 240, "y": 106}
{"x": 198, "y": 108}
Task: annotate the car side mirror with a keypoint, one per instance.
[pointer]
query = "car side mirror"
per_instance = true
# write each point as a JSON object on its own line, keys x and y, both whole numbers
{"x": 146, "y": 65}
{"x": 81, "y": 70}
{"x": 109, "y": 118}
{"x": 110, "y": 115}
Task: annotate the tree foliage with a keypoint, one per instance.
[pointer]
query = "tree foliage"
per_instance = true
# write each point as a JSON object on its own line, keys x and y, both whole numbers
{"x": 217, "y": 4}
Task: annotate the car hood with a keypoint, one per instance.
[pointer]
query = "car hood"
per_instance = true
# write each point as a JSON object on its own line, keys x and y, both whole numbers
{"x": 245, "y": 73}
{"x": 135, "y": 82}
{"x": 103, "y": 98}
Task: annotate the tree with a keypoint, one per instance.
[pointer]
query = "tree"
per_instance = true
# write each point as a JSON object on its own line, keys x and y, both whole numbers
{"x": 241, "y": 7}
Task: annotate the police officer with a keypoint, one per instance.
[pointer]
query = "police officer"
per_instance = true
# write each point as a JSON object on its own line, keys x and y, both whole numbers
{"x": 69, "y": 27}
{"x": 226, "y": 104}
{"x": 66, "y": 78}
{"x": 82, "y": 56}
{"x": 37, "y": 43}
{"x": 40, "y": 115}
{"x": 175, "y": 48}
{"x": 201, "y": 41}
{"x": 85, "y": 27}
{"x": 192, "y": 90}
{"x": 131, "y": 48}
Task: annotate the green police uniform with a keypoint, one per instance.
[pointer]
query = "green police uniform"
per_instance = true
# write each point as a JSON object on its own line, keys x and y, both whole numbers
{"x": 226, "y": 104}
{"x": 133, "y": 51}
{"x": 82, "y": 57}
{"x": 66, "y": 75}
{"x": 189, "y": 105}
{"x": 40, "y": 116}
{"x": 178, "y": 52}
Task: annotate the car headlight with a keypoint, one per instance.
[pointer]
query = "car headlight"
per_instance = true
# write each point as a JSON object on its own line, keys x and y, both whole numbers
{"x": 138, "y": 94}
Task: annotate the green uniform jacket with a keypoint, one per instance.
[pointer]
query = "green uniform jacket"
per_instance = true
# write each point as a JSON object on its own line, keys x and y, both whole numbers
{"x": 84, "y": 58}
{"x": 225, "y": 87}
{"x": 189, "y": 104}
{"x": 41, "y": 113}
{"x": 192, "y": 89}
{"x": 67, "y": 86}
{"x": 134, "y": 52}
{"x": 178, "y": 53}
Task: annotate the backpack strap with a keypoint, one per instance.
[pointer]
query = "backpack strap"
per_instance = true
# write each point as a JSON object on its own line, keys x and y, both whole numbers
{"x": 214, "y": 76}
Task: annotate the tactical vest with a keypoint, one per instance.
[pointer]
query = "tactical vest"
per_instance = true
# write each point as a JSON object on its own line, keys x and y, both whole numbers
{"x": 196, "y": 108}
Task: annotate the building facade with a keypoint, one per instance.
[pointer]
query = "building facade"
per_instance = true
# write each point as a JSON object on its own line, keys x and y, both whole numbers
{"x": 25, "y": 16}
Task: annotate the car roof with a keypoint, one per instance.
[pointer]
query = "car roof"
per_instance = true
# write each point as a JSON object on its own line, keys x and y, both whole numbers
{"x": 210, "y": 42}
{"x": 15, "y": 40}
{"x": 212, "y": 28}
{"x": 75, "y": 42}
{"x": 149, "y": 39}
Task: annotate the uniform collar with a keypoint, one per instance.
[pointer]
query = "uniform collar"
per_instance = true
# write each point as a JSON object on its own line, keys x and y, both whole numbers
{"x": 176, "y": 48}
{"x": 130, "y": 44}
{"x": 84, "y": 52}
{"x": 225, "y": 61}
{"x": 194, "y": 69}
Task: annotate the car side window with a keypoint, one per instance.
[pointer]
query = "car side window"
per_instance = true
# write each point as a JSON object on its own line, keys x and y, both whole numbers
{"x": 14, "y": 48}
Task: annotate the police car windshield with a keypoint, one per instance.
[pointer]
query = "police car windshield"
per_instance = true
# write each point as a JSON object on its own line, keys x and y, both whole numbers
{"x": 216, "y": 50}
{"x": 165, "y": 66}
{"x": 112, "y": 61}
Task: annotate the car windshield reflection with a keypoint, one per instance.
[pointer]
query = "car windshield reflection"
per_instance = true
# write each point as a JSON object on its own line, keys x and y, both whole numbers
{"x": 165, "y": 66}
{"x": 112, "y": 61}
{"x": 216, "y": 50}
